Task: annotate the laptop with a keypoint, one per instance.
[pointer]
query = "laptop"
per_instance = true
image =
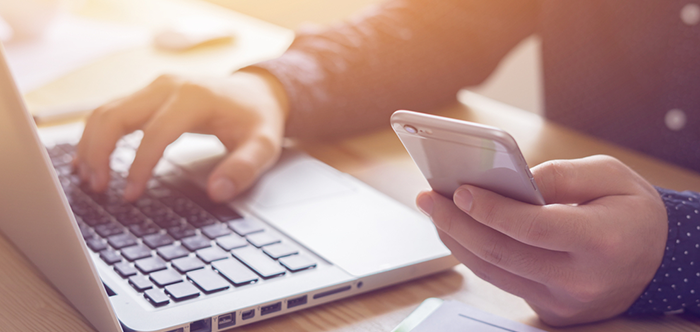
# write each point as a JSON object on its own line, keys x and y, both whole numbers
{"x": 304, "y": 235}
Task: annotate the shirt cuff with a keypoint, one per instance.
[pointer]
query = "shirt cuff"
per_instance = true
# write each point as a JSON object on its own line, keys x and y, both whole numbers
{"x": 676, "y": 285}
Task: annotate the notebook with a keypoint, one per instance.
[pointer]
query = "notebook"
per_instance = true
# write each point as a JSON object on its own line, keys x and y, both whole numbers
{"x": 304, "y": 235}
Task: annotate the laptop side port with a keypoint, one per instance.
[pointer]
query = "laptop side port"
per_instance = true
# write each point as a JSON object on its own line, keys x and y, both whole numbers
{"x": 268, "y": 309}
{"x": 226, "y": 320}
{"x": 248, "y": 314}
{"x": 297, "y": 301}
{"x": 203, "y": 325}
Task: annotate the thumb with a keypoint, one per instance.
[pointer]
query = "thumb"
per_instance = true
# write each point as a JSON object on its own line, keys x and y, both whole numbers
{"x": 242, "y": 167}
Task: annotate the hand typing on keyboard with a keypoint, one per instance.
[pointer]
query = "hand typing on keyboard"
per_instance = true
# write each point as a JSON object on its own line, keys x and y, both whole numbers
{"x": 173, "y": 243}
{"x": 246, "y": 111}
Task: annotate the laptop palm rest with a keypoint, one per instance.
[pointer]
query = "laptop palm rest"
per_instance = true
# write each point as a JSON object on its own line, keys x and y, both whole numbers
{"x": 341, "y": 219}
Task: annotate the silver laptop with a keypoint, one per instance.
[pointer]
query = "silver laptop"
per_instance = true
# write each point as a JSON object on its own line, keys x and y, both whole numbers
{"x": 305, "y": 235}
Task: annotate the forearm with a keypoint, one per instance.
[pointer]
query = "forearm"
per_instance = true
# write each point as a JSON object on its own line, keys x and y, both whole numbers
{"x": 403, "y": 54}
{"x": 676, "y": 285}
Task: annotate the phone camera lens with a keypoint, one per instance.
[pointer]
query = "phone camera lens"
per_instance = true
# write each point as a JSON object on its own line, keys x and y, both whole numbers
{"x": 410, "y": 129}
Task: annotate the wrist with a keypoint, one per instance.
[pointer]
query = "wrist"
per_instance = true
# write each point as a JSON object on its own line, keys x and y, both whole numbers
{"x": 273, "y": 86}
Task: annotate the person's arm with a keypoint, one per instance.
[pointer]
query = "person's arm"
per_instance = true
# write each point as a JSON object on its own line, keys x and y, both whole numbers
{"x": 407, "y": 54}
{"x": 676, "y": 284}
{"x": 404, "y": 54}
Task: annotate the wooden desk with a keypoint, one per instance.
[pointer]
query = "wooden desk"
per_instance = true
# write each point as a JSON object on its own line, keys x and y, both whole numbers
{"x": 29, "y": 303}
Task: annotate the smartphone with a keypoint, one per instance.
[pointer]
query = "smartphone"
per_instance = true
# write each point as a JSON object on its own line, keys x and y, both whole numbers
{"x": 452, "y": 152}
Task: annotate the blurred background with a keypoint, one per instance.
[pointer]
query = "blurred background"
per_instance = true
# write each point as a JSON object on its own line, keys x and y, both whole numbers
{"x": 517, "y": 81}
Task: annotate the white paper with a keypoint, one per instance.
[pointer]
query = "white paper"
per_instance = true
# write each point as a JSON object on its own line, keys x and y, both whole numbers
{"x": 454, "y": 316}
{"x": 70, "y": 43}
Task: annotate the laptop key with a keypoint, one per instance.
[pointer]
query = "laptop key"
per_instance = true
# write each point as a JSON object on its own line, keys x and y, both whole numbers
{"x": 156, "y": 297}
{"x": 124, "y": 269}
{"x": 215, "y": 230}
{"x": 297, "y": 263}
{"x": 136, "y": 252}
{"x": 244, "y": 227}
{"x": 181, "y": 231}
{"x": 150, "y": 264}
{"x": 151, "y": 207}
{"x": 262, "y": 239}
{"x": 231, "y": 242}
{"x": 211, "y": 254}
{"x": 182, "y": 291}
{"x": 263, "y": 265}
{"x": 121, "y": 240}
{"x": 196, "y": 242}
{"x": 172, "y": 251}
{"x": 200, "y": 219}
{"x": 157, "y": 240}
{"x": 187, "y": 264}
{"x": 95, "y": 243}
{"x": 233, "y": 270}
{"x": 208, "y": 280}
{"x": 130, "y": 217}
{"x": 110, "y": 256}
{"x": 280, "y": 250}
{"x": 96, "y": 219}
{"x": 109, "y": 229}
{"x": 167, "y": 219}
{"x": 140, "y": 283}
{"x": 142, "y": 229}
{"x": 165, "y": 277}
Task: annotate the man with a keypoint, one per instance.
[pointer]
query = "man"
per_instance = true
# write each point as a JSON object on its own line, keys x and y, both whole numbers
{"x": 606, "y": 243}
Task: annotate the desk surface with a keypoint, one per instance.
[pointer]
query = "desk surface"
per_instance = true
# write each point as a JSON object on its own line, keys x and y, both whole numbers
{"x": 29, "y": 303}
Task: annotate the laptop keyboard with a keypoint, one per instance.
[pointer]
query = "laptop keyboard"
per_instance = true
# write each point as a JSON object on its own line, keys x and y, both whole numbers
{"x": 173, "y": 244}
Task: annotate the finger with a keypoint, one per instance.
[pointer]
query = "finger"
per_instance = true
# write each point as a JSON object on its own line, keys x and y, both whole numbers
{"x": 554, "y": 227}
{"x": 107, "y": 124}
{"x": 496, "y": 248}
{"x": 527, "y": 289}
{"x": 243, "y": 166}
{"x": 582, "y": 180}
{"x": 175, "y": 117}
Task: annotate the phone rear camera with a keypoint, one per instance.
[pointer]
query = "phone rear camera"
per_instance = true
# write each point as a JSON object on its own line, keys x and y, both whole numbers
{"x": 410, "y": 129}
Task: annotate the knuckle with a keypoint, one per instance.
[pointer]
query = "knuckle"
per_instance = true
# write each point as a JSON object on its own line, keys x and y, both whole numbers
{"x": 531, "y": 230}
{"x": 489, "y": 213}
{"x": 494, "y": 254}
{"x": 190, "y": 88}
{"x": 268, "y": 145}
{"x": 165, "y": 79}
{"x": 555, "y": 174}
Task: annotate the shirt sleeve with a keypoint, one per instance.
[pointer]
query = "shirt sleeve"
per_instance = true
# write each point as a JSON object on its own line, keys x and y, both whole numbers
{"x": 402, "y": 54}
{"x": 676, "y": 285}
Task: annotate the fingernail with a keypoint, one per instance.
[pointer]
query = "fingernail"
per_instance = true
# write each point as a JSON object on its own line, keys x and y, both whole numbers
{"x": 463, "y": 199}
{"x": 130, "y": 191}
{"x": 425, "y": 204}
{"x": 222, "y": 189}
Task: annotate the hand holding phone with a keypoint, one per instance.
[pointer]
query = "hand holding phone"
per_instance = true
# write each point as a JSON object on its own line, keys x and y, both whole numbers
{"x": 452, "y": 152}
